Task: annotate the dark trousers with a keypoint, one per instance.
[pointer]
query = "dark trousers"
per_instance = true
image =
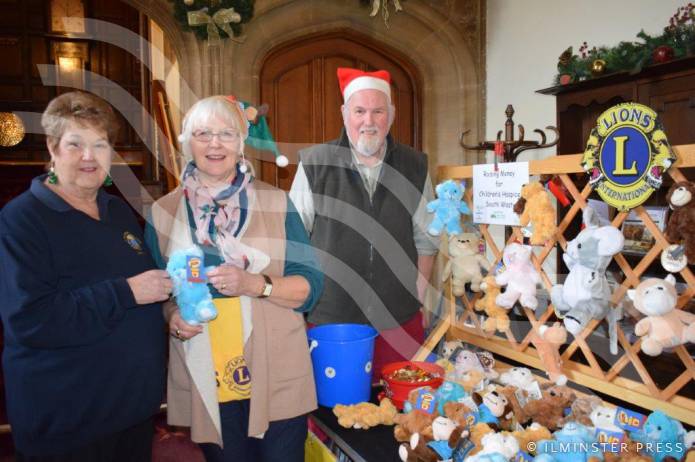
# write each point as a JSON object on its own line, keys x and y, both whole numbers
{"x": 133, "y": 444}
{"x": 283, "y": 441}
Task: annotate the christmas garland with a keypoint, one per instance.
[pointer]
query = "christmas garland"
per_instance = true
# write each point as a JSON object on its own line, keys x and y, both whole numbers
{"x": 213, "y": 19}
{"x": 677, "y": 41}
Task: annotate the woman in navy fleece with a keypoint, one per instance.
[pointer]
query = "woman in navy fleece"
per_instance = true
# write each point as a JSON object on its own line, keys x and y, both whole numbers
{"x": 79, "y": 298}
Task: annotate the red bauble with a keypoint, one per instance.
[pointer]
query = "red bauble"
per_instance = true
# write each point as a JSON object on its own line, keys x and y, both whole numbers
{"x": 565, "y": 79}
{"x": 662, "y": 54}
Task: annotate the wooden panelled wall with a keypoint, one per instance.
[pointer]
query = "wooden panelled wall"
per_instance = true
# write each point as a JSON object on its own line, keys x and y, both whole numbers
{"x": 26, "y": 40}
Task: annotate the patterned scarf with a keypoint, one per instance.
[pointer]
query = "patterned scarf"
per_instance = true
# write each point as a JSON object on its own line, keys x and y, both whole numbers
{"x": 218, "y": 209}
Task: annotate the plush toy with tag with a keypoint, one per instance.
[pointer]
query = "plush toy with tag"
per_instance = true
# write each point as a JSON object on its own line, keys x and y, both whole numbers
{"x": 520, "y": 278}
{"x": 497, "y": 318}
{"x": 661, "y": 436}
{"x": 497, "y": 447}
{"x": 664, "y": 326}
{"x": 518, "y": 377}
{"x": 492, "y": 406}
{"x": 465, "y": 263}
{"x": 586, "y": 294}
{"x": 534, "y": 208}
{"x": 573, "y": 443}
{"x": 468, "y": 360}
{"x": 415, "y": 421}
{"x": 446, "y": 438}
{"x": 681, "y": 222}
{"x": 549, "y": 411}
{"x": 447, "y": 208}
{"x": 188, "y": 275}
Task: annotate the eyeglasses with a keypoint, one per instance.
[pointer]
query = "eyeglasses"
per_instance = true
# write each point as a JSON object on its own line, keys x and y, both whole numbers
{"x": 225, "y": 136}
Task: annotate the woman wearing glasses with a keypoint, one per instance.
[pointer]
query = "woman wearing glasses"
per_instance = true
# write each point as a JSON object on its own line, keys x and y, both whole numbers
{"x": 243, "y": 382}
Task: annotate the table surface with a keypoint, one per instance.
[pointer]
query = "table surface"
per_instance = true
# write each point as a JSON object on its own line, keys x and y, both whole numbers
{"x": 374, "y": 445}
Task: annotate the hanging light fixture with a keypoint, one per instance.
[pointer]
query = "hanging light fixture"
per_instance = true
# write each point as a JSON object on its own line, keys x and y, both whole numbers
{"x": 11, "y": 129}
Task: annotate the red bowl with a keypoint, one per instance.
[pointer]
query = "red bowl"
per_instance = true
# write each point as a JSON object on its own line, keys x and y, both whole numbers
{"x": 398, "y": 390}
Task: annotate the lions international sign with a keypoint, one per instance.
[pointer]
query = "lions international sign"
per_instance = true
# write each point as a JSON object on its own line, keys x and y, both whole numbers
{"x": 626, "y": 155}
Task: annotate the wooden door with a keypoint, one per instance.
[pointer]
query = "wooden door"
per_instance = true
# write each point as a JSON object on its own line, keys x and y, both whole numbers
{"x": 299, "y": 83}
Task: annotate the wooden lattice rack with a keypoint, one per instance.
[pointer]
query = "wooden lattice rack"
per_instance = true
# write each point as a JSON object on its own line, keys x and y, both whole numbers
{"x": 639, "y": 386}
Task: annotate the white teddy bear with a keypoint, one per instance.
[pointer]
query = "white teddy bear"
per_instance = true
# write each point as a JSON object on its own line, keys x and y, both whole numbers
{"x": 519, "y": 377}
{"x": 464, "y": 263}
{"x": 503, "y": 444}
{"x": 520, "y": 278}
{"x": 603, "y": 417}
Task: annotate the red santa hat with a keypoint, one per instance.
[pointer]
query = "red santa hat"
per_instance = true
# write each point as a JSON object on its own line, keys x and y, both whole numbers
{"x": 354, "y": 80}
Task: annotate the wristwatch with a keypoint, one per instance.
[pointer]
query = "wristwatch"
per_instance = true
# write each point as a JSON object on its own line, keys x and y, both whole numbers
{"x": 267, "y": 287}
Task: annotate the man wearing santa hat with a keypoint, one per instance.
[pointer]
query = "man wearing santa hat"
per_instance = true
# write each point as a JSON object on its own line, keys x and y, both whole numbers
{"x": 362, "y": 199}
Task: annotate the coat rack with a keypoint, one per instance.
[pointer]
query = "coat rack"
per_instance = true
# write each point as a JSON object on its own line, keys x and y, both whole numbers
{"x": 509, "y": 148}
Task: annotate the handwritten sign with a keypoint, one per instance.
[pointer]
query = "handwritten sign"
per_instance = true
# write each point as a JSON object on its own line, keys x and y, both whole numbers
{"x": 496, "y": 192}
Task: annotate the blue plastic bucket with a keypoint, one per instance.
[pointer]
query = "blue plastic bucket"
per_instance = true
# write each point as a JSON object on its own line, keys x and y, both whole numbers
{"x": 342, "y": 358}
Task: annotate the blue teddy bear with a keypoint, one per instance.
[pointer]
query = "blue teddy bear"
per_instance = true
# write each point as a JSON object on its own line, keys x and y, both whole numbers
{"x": 573, "y": 443}
{"x": 661, "y": 436}
{"x": 193, "y": 298}
{"x": 447, "y": 209}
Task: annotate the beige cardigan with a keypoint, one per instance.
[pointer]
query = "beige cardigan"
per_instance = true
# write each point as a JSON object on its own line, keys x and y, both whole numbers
{"x": 276, "y": 352}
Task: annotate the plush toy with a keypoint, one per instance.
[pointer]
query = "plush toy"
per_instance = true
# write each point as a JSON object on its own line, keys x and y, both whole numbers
{"x": 682, "y": 220}
{"x": 518, "y": 377}
{"x": 533, "y": 433}
{"x": 628, "y": 452}
{"x": 492, "y": 406}
{"x": 447, "y": 208}
{"x": 414, "y": 395}
{"x": 581, "y": 410}
{"x": 478, "y": 432}
{"x": 497, "y": 318}
{"x": 511, "y": 422}
{"x": 467, "y": 360}
{"x": 471, "y": 381}
{"x": 449, "y": 392}
{"x": 449, "y": 347}
{"x": 586, "y": 294}
{"x": 550, "y": 409}
{"x": 187, "y": 273}
{"x": 520, "y": 278}
{"x": 574, "y": 443}
{"x": 416, "y": 421}
{"x": 365, "y": 415}
{"x": 464, "y": 263}
{"x": 459, "y": 413}
{"x": 497, "y": 447}
{"x": 534, "y": 207}
{"x": 664, "y": 326}
{"x": 661, "y": 436}
{"x": 603, "y": 417}
{"x": 446, "y": 438}
{"x": 548, "y": 341}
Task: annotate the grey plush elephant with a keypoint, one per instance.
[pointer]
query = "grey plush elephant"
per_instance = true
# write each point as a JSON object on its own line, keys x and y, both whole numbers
{"x": 586, "y": 294}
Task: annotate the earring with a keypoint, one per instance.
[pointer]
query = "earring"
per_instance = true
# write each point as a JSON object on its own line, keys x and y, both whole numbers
{"x": 243, "y": 168}
{"x": 108, "y": 181}
{"x": 52, "y": 177}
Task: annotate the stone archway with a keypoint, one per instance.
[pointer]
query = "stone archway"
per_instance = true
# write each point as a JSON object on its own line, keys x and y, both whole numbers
{"x": 443, "y": 50}
{"x": 452, "y": 79}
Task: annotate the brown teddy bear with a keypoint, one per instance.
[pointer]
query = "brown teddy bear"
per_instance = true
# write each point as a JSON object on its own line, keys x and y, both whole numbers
{"x": 681, "y": 223}
{"x": 365, "y": 415}
{"x": 518, "y": 416}
{"x": 420, "y": 449}
{"x": 533, "y": 433}
{"x": 548, "y": 340}
{"x": 416, "y": 421}
{"x": 627, "y": 453}
{"x": 549, "y": 410}
{"x": 477, "y": 432}
{"x": 497, "y": 318}
{"x": 534, "y": 207}
{"x": 581, "y": 410}
{"x": 458, "y": 412}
